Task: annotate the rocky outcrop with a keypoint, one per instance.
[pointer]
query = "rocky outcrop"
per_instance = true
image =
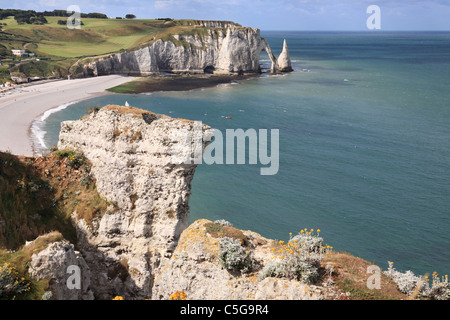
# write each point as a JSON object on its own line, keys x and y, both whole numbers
{"x": 195, "y": 269}
{"x": 284, "y": 60}
{"x": 67, "y": 270}
{"x": 220, "y": 48}
{"x": 138, "y": 163}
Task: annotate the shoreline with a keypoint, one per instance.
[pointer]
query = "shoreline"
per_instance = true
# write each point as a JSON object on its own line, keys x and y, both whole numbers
{"x": 27, "y": 103}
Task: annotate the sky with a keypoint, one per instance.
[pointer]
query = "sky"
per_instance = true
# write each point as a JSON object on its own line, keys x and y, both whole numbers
{"x": 298, "y": 15}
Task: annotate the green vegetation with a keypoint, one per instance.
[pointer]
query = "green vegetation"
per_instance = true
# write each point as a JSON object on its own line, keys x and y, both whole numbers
{"x": 14, "y": 268}
{"x": 27, "y": 204}
{"x": 38, "y": 199}
{"x": 40, "y": 195}
{"x": 4, "y": 74}
{"x": 24, "y": 16}
{"x": 233, "y": 256}
{"x": 298, "y": 259}
{"x": 44, "y": 68}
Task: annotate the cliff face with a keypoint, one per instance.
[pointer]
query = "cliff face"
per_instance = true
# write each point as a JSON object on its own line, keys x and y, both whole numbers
{"x": 229, "y": 49}
{"x": 148, "y": 189}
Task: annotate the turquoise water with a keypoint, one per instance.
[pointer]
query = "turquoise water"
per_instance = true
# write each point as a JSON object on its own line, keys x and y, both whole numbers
{"x": 364, "y": 145}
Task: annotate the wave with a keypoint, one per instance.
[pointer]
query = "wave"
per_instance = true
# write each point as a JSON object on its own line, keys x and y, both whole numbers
{"x": 37, "y": 128}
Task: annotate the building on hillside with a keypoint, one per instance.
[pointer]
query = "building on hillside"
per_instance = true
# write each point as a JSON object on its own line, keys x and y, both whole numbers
{"x": 18, "y": 52}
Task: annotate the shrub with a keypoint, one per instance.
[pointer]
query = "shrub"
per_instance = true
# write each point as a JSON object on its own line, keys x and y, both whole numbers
{"x": 11, "y": 284}
{"x": 440, "y": 289}
{"x": 74, "y": 159}
{"x": 64, "y": 22}
{"x": 223, "y": 222}
{"x": 298, "y": 259}
{"x": 408, "y": 283}
{"x": 233, "y": 256}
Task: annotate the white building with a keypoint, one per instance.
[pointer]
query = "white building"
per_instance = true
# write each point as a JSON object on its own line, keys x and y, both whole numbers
{"x": 19, "y": 53}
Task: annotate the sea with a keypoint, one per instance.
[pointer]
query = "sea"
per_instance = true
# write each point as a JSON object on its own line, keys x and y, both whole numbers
{"x": 364, "y": 144}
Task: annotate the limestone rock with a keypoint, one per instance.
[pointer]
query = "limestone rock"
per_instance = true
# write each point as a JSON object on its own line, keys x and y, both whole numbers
{"x": 284, "y": 60}
{"x": 195, "y": 269}
{"x": 62, "y": 264}
{"x": 138, "y": 163}
{"x": 224, "y": 48}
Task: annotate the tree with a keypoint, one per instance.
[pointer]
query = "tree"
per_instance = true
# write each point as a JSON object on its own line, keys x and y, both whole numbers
{"x": 130, "y": 16}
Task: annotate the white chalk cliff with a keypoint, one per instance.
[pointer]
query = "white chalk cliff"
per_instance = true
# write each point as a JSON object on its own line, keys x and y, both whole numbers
{"x": 229, "y": 49}
{"x": 132, "y": 155}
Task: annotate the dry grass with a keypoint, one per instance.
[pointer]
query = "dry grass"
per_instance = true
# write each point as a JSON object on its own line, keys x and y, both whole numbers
{"x": 39, "y": 195}
{"x": 351, "y": 276}
{"x": 127, "y": 110}
{"x": 38, "y": 199}
{"x": 74, "y": 188}
{"x": 218, "y": 231}
{"x": 27, "y": 203}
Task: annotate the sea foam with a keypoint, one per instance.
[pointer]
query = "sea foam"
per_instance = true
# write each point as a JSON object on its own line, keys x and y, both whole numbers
{"x": 37, "y": 128}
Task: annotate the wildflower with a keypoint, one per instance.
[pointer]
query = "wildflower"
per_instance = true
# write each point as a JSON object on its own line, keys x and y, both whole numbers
{"x": 179, "y": 295}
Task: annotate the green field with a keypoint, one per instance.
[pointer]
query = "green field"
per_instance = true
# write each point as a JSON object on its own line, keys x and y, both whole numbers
{"x": 95, "y": 37}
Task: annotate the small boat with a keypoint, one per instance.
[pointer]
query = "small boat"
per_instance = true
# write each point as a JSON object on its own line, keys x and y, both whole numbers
{"x": 228, "y": 117}
{"x": 126, "y": 104}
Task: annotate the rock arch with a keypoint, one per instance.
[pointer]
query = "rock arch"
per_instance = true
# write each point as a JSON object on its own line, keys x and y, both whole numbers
{"x": 265, "y": 47}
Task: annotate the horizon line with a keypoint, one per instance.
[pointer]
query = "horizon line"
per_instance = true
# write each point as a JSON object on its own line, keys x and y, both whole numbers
{"x": 365, "y": 31}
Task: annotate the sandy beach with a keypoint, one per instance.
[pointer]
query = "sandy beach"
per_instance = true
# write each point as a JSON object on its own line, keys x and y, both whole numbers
{"x": 20, "y": 107}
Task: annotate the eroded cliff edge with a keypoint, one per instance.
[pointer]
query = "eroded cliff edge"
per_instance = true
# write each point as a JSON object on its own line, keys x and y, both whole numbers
{"x": 132, "y": 152}
{"x": 202, "y": 48}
